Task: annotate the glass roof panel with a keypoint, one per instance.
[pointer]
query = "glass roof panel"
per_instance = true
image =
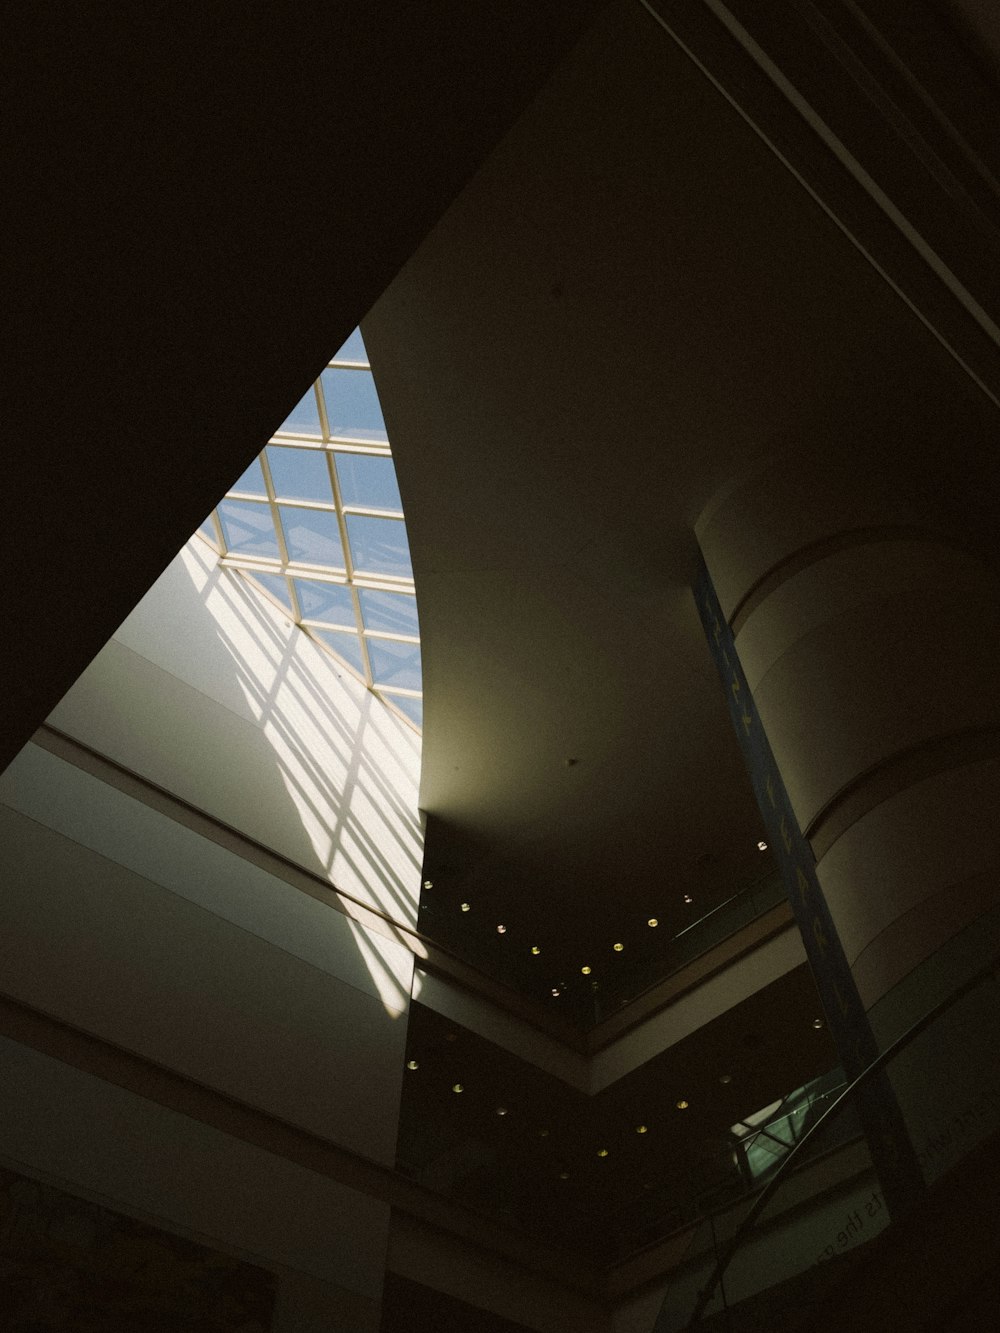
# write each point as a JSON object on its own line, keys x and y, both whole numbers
{"x": 248, "y": 528}
{"x": 395, "y": 663}
{"x": 368, "y": 481}
{"x": 291, "y": 486}
{"x": 251, "y": 482}
{"x": 352, "y": 350}
{"x": 344, "y": 644}
{"x": 352, "y": 406}
{"x": 329, "y": 602}
{"x": 379, "y": 546}
{"x": 391, "y": 612}
{"x": 300, "y": 474}
{"x": 304, "y": 417}
{"x": 312, "y": 536}
{"x": 277, "y": 586}
{"x": 207, "y": 530}
{"x": 412, "y": 706}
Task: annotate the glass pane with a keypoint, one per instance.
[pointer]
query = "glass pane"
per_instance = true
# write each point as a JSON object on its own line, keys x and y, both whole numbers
{"x": 207, "y": 529}
{"x": 345, "y": 645}
{"x": 352, "y": 406}
{"x": 300, "y": 474}
{"x": 369, "y": 481}
{"x": 312, "y": 536}
{"x": 353, "y": 349}
{"x": 252, "y": 481}
{"x": 413, "y": 708}
{"x": 248, "y": 528}
{"x": 379, "y": 545}
{"x": 304, "y": 418}
{"x": 392, "y": 612}
{"x": 277, "y": 586}
{"x": 395, "y": 663}
{"x": 331, "y": 602}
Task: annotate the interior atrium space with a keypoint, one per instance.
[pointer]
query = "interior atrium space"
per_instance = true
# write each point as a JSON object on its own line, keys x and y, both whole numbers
{"x": 501, "y": 734}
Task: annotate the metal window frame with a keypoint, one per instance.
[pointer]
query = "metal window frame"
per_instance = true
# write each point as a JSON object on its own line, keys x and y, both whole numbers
{"x": 349, "y": 577}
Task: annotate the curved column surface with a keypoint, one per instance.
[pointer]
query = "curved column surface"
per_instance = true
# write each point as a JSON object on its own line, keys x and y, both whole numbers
{"x": 869, "y": 639}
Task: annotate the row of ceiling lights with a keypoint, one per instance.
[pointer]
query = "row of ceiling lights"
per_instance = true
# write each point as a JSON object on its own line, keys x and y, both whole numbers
{"x": 413, "y": 1064}
{"x": 652, "y": 921}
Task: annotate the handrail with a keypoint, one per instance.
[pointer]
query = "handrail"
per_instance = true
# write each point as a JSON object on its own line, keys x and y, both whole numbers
{"x": 767, "y": 1193}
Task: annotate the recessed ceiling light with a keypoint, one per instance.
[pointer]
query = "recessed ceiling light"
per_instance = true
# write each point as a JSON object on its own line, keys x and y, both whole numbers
{"x": 726, "y": 1078}
{"x": 585, "y": 971}
{"x": 602, "y": 1152}
{"x": 428, "y": 884}
{"x": 618, "y": 947}
{"x": 501, "y": 1110}
{"x": 501, "y": 930}
{"x": 555, "y": 990}
{"x": 412, "y": 1064}
{"x": 682, "y": 1105}
{"x": 564, "y": 1175}
{"x": 641, "y": 1129}
{"x": 762, "y": 846}
{"x": 466, "y": 907}
{"x": 457, "y": 1087}
{"x": 817, "y": 1022}
{"x": 535, "y": 950}
{"x": 688, "y": 898}
{"x": 652, "y": 921}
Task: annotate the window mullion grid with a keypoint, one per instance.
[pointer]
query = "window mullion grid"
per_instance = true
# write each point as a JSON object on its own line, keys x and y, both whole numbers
{"x": 272, "y": 502}
{"x": 369, "y": 511}
{"x": 331, "y": 462}
{"x": 392, "y": 637}
{"x": 348, "y": 365}
{"x": 324, "y": 420}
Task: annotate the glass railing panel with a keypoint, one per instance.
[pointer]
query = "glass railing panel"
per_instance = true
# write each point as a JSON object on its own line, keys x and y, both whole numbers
{"x": 712, "y": 929}
{"x": 827, "y": 1201}
{"x": 947, "y": 1084}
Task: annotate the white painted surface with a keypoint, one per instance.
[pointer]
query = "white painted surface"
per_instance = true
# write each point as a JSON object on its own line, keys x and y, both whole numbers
{"x": 210, "y": 692}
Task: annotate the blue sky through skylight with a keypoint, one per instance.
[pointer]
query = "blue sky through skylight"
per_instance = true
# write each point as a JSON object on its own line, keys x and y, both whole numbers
{"x": 317, "y": 522}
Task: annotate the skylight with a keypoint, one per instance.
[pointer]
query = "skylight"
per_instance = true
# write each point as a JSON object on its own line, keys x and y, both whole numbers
{"x": 316, "y": 522}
